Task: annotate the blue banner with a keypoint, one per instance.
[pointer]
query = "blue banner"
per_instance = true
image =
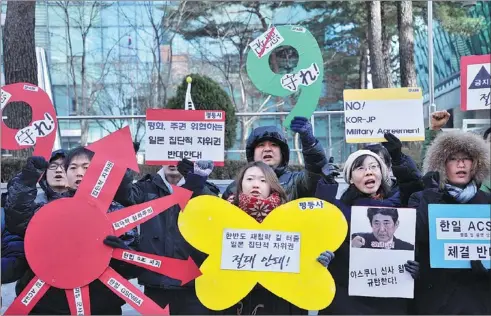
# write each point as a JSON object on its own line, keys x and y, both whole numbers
{"x": 458, "y": 234}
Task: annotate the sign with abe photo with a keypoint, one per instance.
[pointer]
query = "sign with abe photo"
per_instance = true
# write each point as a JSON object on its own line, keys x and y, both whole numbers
{"x": 172, "y": 135}
{"x": 369, "y": 113}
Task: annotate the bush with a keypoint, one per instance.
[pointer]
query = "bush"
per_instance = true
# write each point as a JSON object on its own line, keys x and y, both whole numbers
{"x": 207, "y": 95}
{"x": 10, "y": 167}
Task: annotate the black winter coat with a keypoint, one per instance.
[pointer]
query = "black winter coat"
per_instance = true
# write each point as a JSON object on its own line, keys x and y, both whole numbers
{"x": 446, "y": 291}
{"x": 160, "y": 235}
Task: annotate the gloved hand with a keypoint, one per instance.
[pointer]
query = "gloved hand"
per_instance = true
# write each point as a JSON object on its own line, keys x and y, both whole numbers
{"x": 203, "y": 167}
{"x": 37, "y": 163}
{"x": 330, "y": 172}
{"x": 185, "y": 166}
{"x": 325, "y": 258}
{"x": 115, "y": 242}
{"x": 431, "y": 180}
{"x": 479, "y": 270}
{"x": 413, "y": 268}
{"x": 394, "y": 147}
{"x": 302, "y": 126}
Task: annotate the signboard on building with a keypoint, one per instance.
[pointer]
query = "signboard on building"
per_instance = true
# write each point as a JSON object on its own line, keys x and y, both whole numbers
{"x": 475, "y": 82}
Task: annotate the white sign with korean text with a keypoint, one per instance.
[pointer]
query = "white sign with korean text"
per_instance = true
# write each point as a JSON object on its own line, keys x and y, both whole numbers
{"x": 172, "y": 135}
{"x": 259, "y": 250}
{"x": 381, "y": 243}
{"x": 464, "y": 228}
{"x": 478, "y": 86}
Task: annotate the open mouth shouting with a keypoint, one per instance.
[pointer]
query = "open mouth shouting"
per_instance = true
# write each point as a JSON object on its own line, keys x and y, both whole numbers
{"x": 370, "y": 183}
{"x": 255, "y": 193}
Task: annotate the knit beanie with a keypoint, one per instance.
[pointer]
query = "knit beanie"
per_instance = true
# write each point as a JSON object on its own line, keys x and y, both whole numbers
{"x": 351, "y": 159}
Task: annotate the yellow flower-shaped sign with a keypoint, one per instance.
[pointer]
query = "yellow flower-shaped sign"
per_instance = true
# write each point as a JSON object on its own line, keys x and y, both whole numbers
{"x": 280, "y": 253}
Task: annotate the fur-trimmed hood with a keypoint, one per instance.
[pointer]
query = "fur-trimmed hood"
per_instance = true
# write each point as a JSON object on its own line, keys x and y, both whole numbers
{"x": 449, "y": 143}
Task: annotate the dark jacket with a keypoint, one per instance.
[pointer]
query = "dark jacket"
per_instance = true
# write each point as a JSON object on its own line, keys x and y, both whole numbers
{"x": 408, "y": 178}
{"x": 343, "y": 304}
{"x": 14, "y": 263}
{"x": 369, "y": 238}
{"x": 20, "y": 207}
{"x": 160, "y": 235}
{"x": 296, "y": 184}
{"x": 446, "y": 291}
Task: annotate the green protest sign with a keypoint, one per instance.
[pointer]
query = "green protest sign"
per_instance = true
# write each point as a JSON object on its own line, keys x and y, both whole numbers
{"x": 306, "y": 77}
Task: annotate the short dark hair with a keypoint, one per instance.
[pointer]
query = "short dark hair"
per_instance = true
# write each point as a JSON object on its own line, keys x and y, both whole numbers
{"x": 392, "y": 212}
{"x": 382, "y": 152}
{"x": 486, "y": 133}
{"x": 77, "y": 152}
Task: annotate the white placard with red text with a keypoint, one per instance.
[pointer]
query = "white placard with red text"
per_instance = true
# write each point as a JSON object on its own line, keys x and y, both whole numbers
{"x": 172, "y": 135}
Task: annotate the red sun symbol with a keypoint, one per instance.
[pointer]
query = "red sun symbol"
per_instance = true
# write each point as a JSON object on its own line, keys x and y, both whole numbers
{"x": 78, "y": 226}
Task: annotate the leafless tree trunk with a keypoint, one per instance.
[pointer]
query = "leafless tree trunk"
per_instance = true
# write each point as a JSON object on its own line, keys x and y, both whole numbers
{"x": 406, "y": 43}
{"x": 363, "y": 65}
{"x": 20, "y": 61}
{"x": 380, "y": 77}
{"x": 386, "y": 41}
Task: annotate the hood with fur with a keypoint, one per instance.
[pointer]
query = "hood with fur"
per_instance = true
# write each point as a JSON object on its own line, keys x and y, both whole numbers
{"x": 449, "y": 143}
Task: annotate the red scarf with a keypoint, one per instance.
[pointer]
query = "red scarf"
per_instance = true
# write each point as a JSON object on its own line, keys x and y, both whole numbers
{"x": 259, "y": 208}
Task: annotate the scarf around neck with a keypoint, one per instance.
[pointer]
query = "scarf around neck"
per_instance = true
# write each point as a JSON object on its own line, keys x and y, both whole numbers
{"x": 258, "y": 208}
{"x": 462, "y": 195}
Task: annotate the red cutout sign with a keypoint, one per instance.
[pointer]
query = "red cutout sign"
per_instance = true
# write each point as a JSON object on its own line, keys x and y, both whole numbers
{"x": 78, "y": 226}
{"x": 41, "y": 131}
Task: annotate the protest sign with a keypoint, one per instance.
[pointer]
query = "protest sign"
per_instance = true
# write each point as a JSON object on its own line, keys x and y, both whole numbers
{"x": 306, "y": 78}
{"x": 172, "y": 135}
{"x": 458, "y": 234}
{"x": 280, "y": 253}
{"x": 258, "y": 250}
{"x": 382, "y": 241}
{"x": 475, "y": 82}
{"x": 83, "y": 221}
{"x": 41, "y": 131}
{"x": 369, "y": 113}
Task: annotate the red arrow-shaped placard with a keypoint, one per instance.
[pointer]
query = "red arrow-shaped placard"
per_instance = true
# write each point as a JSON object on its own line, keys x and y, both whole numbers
{"x": 128, "y": 292}
{"x": 184, "y": 270}
{"x": 26, "y": 301}
{"x": 79, "y": 300}
{"x": 107, "y": 169}
{"x": 128, "y": 218}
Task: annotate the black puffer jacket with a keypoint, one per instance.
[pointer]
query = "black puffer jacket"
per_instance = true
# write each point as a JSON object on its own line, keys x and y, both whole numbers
{"x": 296, "y": 184}
{"x": 21, "y": 207}
{"x": 161, "y": 235}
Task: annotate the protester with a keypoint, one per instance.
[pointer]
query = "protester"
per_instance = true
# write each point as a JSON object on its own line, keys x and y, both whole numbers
{"x": 14, "y": 263}
{"x": 21, "y": 206}
{"x": 160, "y": 235}
{"x": 440, "y": 119}
{"x": 402, "y": 168}
{"x": 269, "y": 145}
{"x": 258, "y": 193}
{"x": 455, "y": 166}
{"x": 369, "y": 185}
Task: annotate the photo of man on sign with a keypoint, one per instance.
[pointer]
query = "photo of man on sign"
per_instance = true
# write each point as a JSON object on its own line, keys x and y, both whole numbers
{"x": 384, "y": 223}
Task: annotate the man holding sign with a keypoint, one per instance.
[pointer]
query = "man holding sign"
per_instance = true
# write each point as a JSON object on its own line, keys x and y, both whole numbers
{"x": 269, "y": 145}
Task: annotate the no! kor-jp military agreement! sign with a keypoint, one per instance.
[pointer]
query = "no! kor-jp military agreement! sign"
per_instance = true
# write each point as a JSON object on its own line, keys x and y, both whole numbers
{"x": 369, "y": 113}
{"x": 172, "y": 135}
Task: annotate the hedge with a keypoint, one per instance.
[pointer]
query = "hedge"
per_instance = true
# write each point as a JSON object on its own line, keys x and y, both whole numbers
{"x": 10, "y": 167}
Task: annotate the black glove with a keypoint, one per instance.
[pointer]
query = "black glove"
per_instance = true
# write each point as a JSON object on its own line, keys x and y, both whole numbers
{"x": 37, "y": 163}
{"x": 184, "y": 167}
{"x": 479, "y": 270}
{"x": 431, "y": 180}
{"x": 136, "y": 146}
{"x": 413, "y": 268}
{"x": 115, "y": 242}
{"x": 330, "y": 172}
{"x": 393, "y": 146}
